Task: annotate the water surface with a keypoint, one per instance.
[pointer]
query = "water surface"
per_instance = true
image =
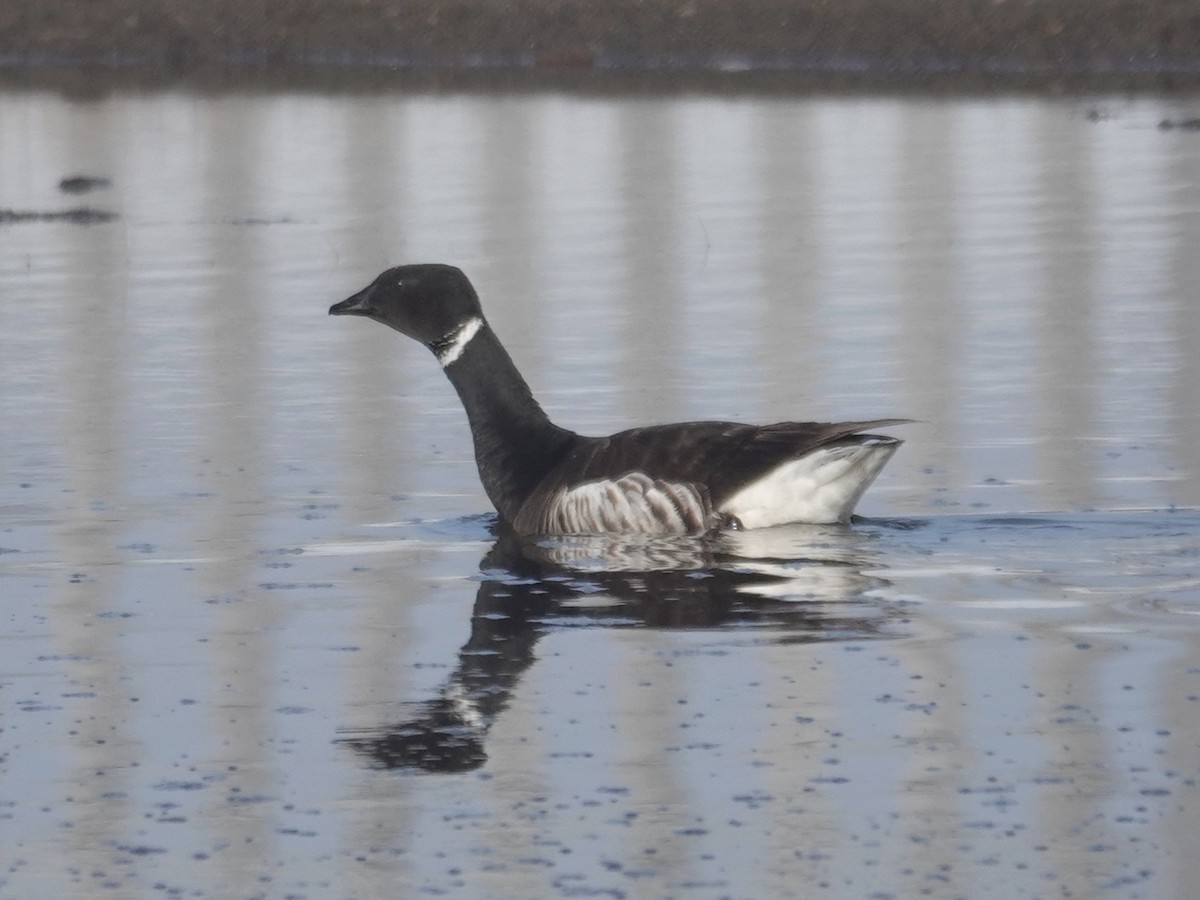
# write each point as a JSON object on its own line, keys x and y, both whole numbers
{"x": 260, "y": 637}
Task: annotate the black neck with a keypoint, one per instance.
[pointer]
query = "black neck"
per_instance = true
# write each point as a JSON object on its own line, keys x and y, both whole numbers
{"x": 516, "y": 444}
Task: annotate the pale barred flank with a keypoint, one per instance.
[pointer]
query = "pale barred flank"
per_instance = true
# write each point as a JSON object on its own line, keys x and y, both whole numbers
{"x": 632, "y": 503}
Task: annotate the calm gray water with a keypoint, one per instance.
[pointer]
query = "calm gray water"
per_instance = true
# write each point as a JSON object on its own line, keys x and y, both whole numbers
{"x": 258, "y": 639}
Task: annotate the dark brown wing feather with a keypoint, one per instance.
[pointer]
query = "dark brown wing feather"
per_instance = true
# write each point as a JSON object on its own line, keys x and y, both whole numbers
{"x": 721, "y": 456}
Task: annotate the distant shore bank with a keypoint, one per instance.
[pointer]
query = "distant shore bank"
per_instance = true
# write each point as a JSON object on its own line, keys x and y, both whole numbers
{"x": 973, "y": 43}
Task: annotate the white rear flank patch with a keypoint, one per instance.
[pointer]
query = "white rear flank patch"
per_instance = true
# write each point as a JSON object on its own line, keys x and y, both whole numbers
{"x": 820, "y": 487}
{"x": 459, "y": 338}
{"x": 631, "y": 503}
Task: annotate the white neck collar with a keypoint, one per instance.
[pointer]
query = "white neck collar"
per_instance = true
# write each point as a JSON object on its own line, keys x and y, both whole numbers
{"x": 453, "y": 345}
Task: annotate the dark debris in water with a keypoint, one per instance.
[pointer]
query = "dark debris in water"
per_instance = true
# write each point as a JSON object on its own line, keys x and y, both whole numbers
{"x": 81, "y": 184}
{"x": 140, "y": 849}
{"x": 179, "y": 786}
{"x": 83, "y": 215}
{"x": 894, "y": 523}
{"x": 296, "y": 586}
{"x": 263, "y": 220}
{"x": 1180, "y": 124}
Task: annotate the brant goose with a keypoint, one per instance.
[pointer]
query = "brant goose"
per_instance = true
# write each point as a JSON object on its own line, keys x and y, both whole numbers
{"x": 689, "y": 478}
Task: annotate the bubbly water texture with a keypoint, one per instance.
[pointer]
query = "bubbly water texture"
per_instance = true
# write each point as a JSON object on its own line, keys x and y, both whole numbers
{"x": 260, "y": 640}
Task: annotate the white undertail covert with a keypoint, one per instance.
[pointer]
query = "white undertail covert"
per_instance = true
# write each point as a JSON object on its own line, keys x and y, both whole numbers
{"x": 820, "y": 487}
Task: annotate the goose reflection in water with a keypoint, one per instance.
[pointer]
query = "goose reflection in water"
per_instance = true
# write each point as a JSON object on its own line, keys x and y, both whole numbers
{"x": 788, "y": 585}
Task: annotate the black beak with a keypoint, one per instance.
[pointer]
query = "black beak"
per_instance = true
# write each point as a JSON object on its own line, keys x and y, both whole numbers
{"x": 358, "y": 305}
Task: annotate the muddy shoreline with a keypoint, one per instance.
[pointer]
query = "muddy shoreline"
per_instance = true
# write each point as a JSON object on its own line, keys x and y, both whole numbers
{"x": 968, "y": 43}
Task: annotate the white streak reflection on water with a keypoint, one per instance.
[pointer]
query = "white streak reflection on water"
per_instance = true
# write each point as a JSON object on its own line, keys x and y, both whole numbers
{"x": 247, "y": 565}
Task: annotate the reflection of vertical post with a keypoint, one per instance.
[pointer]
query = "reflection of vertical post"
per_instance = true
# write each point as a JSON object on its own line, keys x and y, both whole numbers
{"x": 1066, "y": 367}
{"x": 95, "y": 451}
{"x": 931, "y": 314}
{"x": 999, "y": 279}
{"x": 652, "y": 315}
{"x": 512, "y": 182}
{"x": 722, "y": 279}
{"x": 647, "y": 701}
{"x": 512, "y": 185}
{"x": 374, "y": 158}
{"x": 789, "y": 220}
{"x": 1071, "y": 683}
{"x": 934, "y": 771}
{"x": 930, "y": 337}
{"x": 510, "y": 250}
{"x": 374, "y": 451}
{"x": 232, "y": 452}
{"x": 650, "y": 341}
{"x": 1179, "y": 825}
{"x": 1183, "y": 283}
{"x": 789, "y": 224}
